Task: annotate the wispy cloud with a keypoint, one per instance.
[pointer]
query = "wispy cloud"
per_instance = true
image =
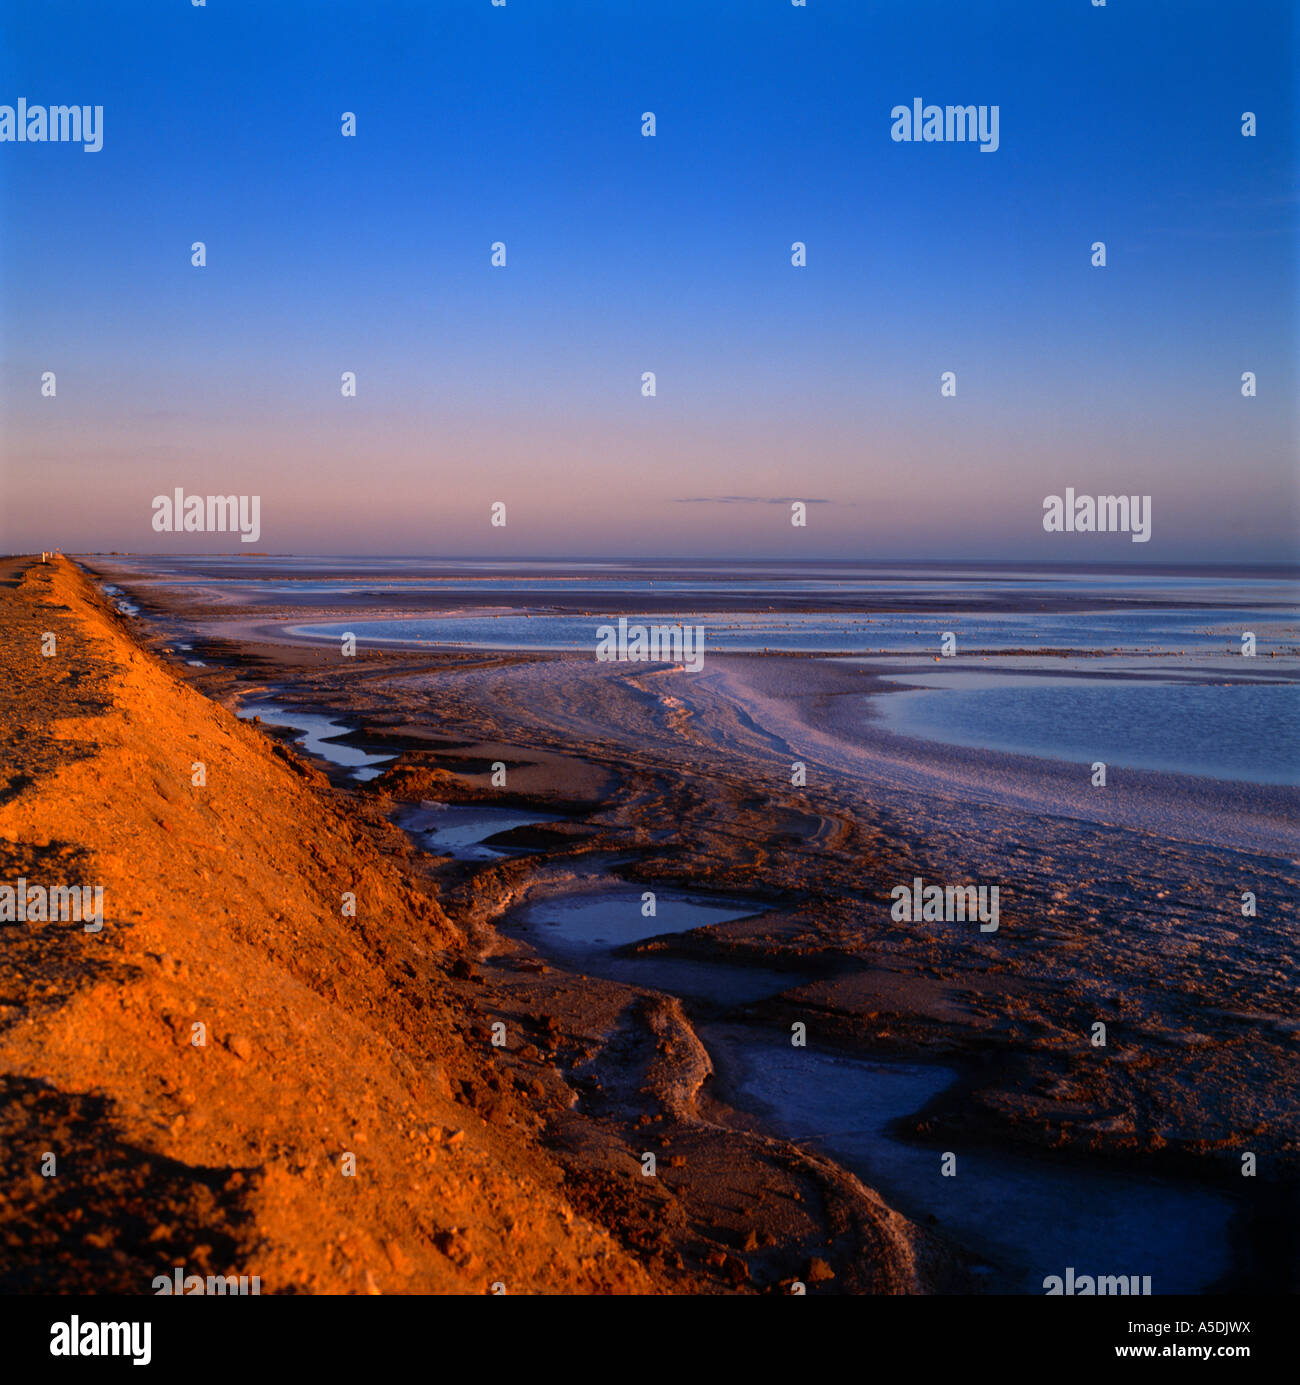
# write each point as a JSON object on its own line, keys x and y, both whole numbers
{"x": 747, "y": 500}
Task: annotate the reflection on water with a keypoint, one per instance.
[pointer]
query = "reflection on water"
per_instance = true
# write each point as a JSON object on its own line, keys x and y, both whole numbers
{"x": 1247, "y": 730}
{"x": 581, "y": 930}
{"x": 1206, "y": 630}
{"x": 1027, "y": 1217}
{"x": 462, "y": 830}
{"x": 603, "y": 919}
{"x": 318, "y": 736}
{"x": 1031, "y": 1217}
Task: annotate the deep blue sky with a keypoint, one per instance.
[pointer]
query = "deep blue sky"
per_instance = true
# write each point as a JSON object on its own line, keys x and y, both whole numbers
{"x": 671, "y": 254}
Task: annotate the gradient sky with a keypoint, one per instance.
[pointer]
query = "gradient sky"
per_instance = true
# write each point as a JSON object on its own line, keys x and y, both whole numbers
{"x": 672, "y": 254}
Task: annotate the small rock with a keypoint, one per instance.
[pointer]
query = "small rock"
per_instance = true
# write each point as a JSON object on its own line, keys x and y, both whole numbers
{"x": 455, "y": 1246}
{"x": 735, "y": 1269}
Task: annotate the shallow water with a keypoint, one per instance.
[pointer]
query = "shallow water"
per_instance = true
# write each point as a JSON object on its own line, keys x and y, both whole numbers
{"x": 461, "y": 830}
{"x": 318, "y": 737}
{"x": 127, "y": 608}
{"x": 1030, "y": 1217}
{"x": 1169, "y": 630}
{"x": 269, "y": 580}
{"x": 1235, "y": 731}
{"x": 581, "y": 930}
{"x": 600, "y": 920}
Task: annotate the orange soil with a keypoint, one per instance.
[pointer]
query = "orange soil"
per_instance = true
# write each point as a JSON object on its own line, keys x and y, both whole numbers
{"x": 326, "y": 1034}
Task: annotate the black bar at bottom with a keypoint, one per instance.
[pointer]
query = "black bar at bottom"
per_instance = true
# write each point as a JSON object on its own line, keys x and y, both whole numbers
{"x": 256, "y": 1336}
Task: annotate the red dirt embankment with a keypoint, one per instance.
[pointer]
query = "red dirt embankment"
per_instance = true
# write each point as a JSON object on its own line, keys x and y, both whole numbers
{"x": 326, "y": 1035}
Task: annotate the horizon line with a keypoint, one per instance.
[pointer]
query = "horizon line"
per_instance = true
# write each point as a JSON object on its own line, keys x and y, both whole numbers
{"x": 624, "y": 560}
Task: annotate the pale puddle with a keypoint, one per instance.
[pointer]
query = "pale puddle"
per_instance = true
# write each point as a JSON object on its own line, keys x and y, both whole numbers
{"x": 127, "y": 608}
{"x": 1028, "y": 1217}
{"x": 582, "y": 930}
{"x": 462, "y": 830}
{"x": 318, "y": 737}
